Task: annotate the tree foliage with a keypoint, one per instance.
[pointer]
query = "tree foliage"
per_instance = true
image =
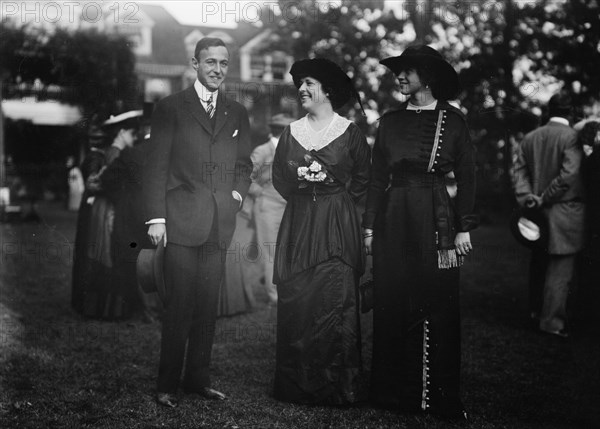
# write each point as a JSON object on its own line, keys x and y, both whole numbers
{"x": 511, "y": 55}
{"x": 93, "y": 70}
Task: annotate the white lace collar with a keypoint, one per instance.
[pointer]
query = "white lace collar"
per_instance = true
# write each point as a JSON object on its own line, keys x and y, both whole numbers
{"x": 336, "y": 128}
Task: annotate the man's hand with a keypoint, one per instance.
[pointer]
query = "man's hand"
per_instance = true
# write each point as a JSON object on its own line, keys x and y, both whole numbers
{"x": 463, "y": 243}
{"x": 156, "y": 231}
{"x": 368, "y": 240}
{"x": 532, "y": 201}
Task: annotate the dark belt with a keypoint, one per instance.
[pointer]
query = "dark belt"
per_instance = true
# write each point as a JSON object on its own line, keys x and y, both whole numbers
{"x": 318, "y": 189}
{"x": 420, "y": 179}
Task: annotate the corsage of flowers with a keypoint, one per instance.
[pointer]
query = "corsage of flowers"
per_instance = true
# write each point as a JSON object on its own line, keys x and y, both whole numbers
{"x": 312, "y": 171}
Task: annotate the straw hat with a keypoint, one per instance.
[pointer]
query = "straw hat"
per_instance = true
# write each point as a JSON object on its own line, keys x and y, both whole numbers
{"x": 121, "y": 118}
{"x": 529, "y": 227}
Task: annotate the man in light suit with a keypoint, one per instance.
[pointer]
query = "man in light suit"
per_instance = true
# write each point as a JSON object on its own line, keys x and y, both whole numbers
{"x": 269, "y": 205}
{"x": 547, "y": 176}
{"x": 195, "y": 177}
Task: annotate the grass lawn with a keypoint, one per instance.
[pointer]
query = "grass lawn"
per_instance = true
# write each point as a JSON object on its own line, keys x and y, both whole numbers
{"x": 58, "y": 370}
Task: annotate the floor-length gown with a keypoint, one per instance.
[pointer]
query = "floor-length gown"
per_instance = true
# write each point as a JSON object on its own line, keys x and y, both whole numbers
{"x": 416, "y": 320}
{"x": 318, "y": 261}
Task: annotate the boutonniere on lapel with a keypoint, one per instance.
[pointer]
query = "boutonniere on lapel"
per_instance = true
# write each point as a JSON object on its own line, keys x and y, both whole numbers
{"x": 235, "y": 133}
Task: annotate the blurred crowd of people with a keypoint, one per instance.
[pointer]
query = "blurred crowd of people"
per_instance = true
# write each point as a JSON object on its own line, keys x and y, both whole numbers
{"x": 556, "y": 173}
{"x": 110, "y": 225}
{"x": 105, "y": 189}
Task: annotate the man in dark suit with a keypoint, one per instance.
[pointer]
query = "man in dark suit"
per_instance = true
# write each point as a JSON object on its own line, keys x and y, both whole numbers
{"x": 196, "y": 175}
{"x": 547, "y": 177}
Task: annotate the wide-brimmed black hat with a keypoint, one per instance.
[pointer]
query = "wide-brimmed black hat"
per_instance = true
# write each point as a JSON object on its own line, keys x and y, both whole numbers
{"x": 529, "y": 227}
{"x": 150, "y": 270}
{"x": 425, "y": 57}
{"x": 330, "y": 75}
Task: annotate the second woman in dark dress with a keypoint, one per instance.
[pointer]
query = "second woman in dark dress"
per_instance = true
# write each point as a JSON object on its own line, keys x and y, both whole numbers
{"x": 418, "y": 228}
{"x": 321, "y": 168}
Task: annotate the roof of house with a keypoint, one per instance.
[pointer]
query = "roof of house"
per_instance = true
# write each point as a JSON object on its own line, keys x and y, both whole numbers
{"x": 167, "y": 37}
{"x": 240, "y": 35}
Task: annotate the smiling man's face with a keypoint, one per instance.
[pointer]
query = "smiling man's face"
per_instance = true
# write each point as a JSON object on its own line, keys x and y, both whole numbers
{"x": 211, "y": 67}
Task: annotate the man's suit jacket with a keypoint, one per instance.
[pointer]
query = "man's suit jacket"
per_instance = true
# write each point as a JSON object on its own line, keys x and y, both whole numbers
{"x": 548, "y": 165}
{"x": 192, "y": 169}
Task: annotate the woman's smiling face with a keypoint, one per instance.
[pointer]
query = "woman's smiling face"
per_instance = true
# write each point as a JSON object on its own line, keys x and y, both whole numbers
{"x": 311, "y": 93}
{"x": 410, "y": 82}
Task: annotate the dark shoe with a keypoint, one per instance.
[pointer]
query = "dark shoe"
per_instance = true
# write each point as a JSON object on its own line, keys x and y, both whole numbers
{"x": 213, "y": 394}
{"x": 450, "y": 415}
{"x": 166, "y": 399}
{"x": 448, "y": 408}
{"x": 563, "y": 333}
{"x": 208, "y": 393}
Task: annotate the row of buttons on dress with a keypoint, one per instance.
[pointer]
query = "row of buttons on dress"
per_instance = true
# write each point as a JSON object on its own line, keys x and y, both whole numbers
{"x": 439, "y": 146}
{"x": 425, "y": 392}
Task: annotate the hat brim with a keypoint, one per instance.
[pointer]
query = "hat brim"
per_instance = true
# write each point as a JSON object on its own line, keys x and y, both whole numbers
{"x": 529, "y": 216}
{"x": 150, "y": 270}
{"x": 114, "y": 120}
{"x": 328, "y": 74}
{"x": 444, "y": 72}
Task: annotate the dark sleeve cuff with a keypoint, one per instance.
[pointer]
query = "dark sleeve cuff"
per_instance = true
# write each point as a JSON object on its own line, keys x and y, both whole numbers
{"x": 468, "y": 222}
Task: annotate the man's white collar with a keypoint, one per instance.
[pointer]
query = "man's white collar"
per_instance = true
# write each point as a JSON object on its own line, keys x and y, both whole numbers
{"x": 204, "y": 93}
{"x": 559, "y": 120}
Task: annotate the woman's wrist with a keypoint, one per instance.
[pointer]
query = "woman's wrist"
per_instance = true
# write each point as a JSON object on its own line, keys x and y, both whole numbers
{"x": 367, "y": 232}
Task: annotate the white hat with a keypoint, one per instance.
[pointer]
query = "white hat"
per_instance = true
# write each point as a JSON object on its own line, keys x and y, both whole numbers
{"x": 123, "y": 117}
{"x": 529, "y": 230}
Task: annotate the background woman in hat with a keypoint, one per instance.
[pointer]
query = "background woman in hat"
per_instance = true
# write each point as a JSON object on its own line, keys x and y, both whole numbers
{"x": 94, "y": 160}
{"x": 321, "y": 168}
{"x": 121, "y": 183}
{"x": 418, "y": 235}
{"x": 103, "y": 298}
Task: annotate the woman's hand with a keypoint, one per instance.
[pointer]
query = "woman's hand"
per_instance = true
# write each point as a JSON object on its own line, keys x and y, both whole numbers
{"x": 463, "y": 243}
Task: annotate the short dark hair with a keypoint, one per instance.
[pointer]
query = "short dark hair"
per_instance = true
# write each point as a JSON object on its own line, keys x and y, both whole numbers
{"x": 561, "y": 105}
{"x": 588, "y": 133}
{"x": 207, "y": 42}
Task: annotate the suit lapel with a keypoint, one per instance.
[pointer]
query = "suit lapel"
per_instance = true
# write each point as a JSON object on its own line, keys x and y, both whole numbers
{"x": 222, "y": 112}
{"x": 196, "y": 109}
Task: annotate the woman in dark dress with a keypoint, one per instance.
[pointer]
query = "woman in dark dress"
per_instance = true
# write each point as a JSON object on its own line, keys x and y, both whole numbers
{"x": 417, "y": 228}
{"x": 104, "y": 298}
{"x": 321, "y": 167}
{"x": 121, "y": 184}
{"x": 82, "y": 273}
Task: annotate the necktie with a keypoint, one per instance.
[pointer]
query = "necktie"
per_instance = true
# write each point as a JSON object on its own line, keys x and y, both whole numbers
{"x": 210, "y": 108}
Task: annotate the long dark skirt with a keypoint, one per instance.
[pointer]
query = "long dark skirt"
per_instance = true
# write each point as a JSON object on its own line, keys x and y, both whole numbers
{"x": 416, "y": 319}
{"x": 318, "y": 337}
